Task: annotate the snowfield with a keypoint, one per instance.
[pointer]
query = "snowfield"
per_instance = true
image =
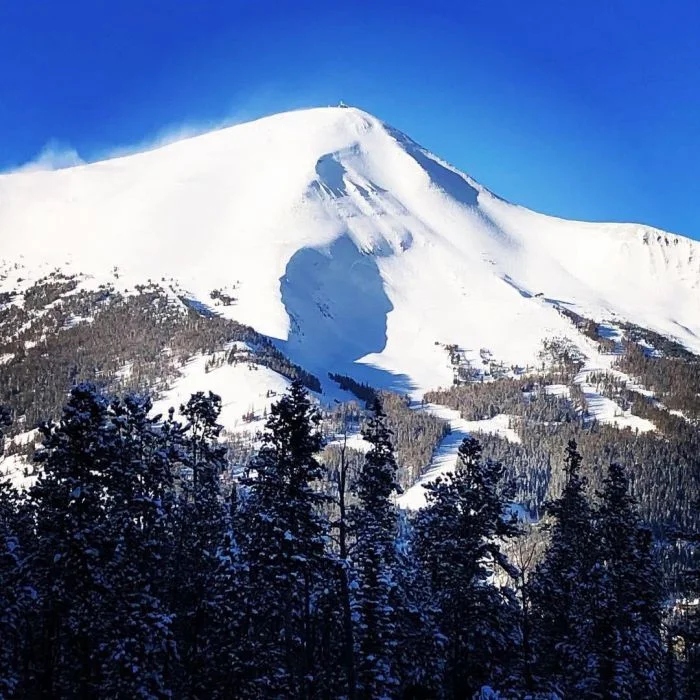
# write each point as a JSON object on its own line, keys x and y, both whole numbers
{"x": 350, "y": 245}
{"x": 247, "y": 391}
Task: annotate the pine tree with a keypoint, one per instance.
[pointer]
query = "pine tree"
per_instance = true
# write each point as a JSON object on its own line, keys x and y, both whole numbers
{"x": 564, "y": 590}
{"x": 12, "y": 608}
{"x": 628, "y": 620}
{"x": 684, "y": 627}
{"x": 101, "y": 518}
{"x": 524, "y": 554}
{"x": 138, "y": 640}
{"x": 421, "y": 645}
{"x": 15, "y": 584}
{"x": 342, "y": 526}
{"x": 199, "y": 532}
{"x": 227, "y": 621}
{"x": 283, "y": 539}
{"x": 374, "y": 527}
{"x": 72, "y": 546}
{"x": 458, "y": 540}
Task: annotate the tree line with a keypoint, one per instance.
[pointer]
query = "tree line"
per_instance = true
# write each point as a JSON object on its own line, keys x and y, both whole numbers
{"x": 545, "y": 423}
{"x": 133, "y": 569}
{"x": 62, "y": 335}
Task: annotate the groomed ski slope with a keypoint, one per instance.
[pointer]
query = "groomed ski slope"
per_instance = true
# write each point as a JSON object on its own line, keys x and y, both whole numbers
{"x": 352, "y": 246}
{"x": 446, "y": 455}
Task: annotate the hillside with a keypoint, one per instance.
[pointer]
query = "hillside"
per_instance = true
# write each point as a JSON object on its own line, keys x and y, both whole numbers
{"x": 349, "y": 245}
{"x": 324, "y": 242}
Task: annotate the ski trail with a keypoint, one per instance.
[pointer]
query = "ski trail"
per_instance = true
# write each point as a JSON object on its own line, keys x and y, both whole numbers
{"x": 445, "y": 455}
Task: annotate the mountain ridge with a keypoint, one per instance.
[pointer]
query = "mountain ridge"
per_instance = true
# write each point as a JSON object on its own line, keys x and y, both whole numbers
{"x": 350, "y": 245}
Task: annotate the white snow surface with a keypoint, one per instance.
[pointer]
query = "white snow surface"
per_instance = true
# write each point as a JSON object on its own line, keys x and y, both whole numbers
{"x": 445, "y": 456}
{"x": 601, "y": 408}
{"x": 13, "y": 469}
{"x": 559, "y": 390}
{"x": 605, "y": 410}
{"x": 244, "y": 388}
{"x": 349, "y": 244}
{"x": 352, "y": 441}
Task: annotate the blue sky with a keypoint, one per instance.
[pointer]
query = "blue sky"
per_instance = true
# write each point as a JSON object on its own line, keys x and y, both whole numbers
{"x": 583, "y": 110}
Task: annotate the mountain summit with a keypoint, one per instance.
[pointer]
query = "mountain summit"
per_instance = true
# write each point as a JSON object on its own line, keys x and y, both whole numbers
{"x": 355, "y": 249}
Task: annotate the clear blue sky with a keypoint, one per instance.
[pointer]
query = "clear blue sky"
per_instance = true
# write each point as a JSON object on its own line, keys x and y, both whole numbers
{"x": 581, "y": 109}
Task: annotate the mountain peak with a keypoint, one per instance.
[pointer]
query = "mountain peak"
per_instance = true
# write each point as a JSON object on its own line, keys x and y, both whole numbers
{"x": 348, "y": 242}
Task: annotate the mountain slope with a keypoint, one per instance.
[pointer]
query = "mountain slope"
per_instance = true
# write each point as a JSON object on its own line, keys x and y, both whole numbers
{"x": 350, "y": 245}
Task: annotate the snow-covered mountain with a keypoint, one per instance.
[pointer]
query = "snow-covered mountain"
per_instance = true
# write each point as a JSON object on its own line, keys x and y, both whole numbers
{"x": 353, "y": 247}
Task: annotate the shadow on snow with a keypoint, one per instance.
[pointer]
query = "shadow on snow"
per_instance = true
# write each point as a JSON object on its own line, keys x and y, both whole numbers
{"x": 338, "y": 308}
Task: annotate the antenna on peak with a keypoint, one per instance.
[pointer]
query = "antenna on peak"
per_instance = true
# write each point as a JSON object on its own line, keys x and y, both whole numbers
{"x": 342, "y": 104}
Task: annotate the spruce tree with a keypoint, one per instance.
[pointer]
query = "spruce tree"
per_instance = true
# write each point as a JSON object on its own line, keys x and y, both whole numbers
{"x": 684, "y": 625}
{"x": 420, "y": 644}
{"x": 342, "y": 526}
{"x": 374, "y": 526}
{"x": 564, "y": 590}
{"x": 15, "y": 583}
{"x": 283, "y": 539}
{"x": 458, "y": 540}
{"x": 101, "y": 526}
{"x": 227, "y": 625}
{"x": 12, "y": 601}
{"x": 199, "y": 531}
{"x": 73, "y": 546}
{"x": 629, "y": 609}
{"x": 139, "y": 641}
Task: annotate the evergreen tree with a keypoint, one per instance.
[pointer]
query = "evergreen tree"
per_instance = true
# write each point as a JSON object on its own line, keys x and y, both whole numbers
{"x": 341, "y": 479}
{"x": 230, "y": 644}
{"x": 283, "y": 539}
{"x": 124, "y": 572}
{"x": 683, "y": 627}
{"x": 100, "y": 528}
{"x": 12, "y": 600}
{"x": 458, "y": 540}
{"x": 524, "y": 554}
{"x": 72, "y": 547}
{"x": 15, "y": 586}
{"x": 139, "y": 641}
{"x": 420, "y": 644}
{"x": 374, "y": 526}
{"x": 564, "y": 590}
{"x": 200, "y": 527}
{"x": 628, "y": 612}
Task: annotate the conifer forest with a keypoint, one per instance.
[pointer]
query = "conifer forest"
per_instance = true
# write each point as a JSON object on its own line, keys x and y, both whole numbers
{"x": 136, "y": 567}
